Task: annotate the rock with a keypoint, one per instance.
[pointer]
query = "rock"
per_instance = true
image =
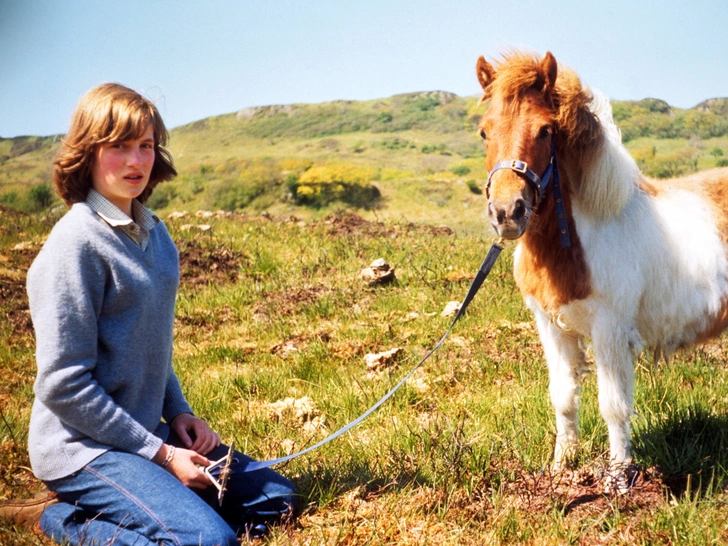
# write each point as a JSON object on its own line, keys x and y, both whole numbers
{"x": 379, "y": 361}
{"x": 378, "y": 272}
{"x": 298, "y": 412}
{"x": 451, "y": 309}
{"x": 198, "y": 227}
{"x": 25, "y": 245}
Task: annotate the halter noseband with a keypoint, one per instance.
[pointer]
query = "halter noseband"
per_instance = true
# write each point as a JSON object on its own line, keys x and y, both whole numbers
{"x": 539, "y": 184}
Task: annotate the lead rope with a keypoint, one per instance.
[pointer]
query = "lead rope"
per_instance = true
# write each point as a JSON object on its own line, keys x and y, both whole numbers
{"x": 480, "y": 276}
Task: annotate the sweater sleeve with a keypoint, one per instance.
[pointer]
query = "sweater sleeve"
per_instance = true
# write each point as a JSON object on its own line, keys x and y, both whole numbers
{"x": 174, "y": 401}
{"x": 66, "y": 291}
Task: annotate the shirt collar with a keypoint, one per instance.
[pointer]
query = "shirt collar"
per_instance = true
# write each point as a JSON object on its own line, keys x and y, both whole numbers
{"x": 115, "y": 217}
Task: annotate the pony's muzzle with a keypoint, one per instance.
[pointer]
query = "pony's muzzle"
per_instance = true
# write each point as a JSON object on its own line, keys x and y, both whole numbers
{"x": 509, "y": 219}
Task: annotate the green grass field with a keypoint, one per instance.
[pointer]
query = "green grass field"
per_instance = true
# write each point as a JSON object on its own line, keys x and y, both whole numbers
{"x": 273, "y": 323}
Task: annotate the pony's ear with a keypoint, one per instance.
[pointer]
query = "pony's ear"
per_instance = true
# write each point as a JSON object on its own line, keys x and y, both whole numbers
{"x": 485, "y": 72}
{"x": 549, "y": 70}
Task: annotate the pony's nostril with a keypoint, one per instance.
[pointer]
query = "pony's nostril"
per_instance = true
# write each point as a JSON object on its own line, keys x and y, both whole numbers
{"x": 501, "y": 216}
{"x": 519, "y": 210}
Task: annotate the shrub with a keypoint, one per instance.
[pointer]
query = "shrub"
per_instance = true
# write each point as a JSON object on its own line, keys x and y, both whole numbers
{"x": 162, "y": 195}
{"x": 41, "y": 196}
{"x": 722, "y": 163}
{"x": 295, "y": 165}
{"x": 460, "y": 170}
{"x": 233, "y": 197}
{"x": 10, "y": 199}
{"x": 324, "y": 184}
{"x": 474, "y": 187}
{"x": 672, "y": 164}
{"x": 435, "y": 148}
{"x": 395, "y": 144}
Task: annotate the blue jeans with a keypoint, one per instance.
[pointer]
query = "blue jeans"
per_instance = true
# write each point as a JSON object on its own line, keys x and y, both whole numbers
{"x": 123, "y": 499}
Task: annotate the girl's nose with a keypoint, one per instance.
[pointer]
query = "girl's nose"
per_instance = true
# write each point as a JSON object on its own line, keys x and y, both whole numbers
{"x": 134, "y": 157}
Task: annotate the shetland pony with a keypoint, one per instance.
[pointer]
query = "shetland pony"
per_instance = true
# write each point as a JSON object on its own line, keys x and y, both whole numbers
{"x": 647, "y": 263}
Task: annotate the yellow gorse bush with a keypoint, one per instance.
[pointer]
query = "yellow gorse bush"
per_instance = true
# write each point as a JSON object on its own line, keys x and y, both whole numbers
{"x": 322, "y": 184}
{"x": 333, "y": 173}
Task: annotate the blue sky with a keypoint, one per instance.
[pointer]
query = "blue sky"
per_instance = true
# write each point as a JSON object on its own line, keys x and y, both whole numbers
{"x": 202, "y": 58}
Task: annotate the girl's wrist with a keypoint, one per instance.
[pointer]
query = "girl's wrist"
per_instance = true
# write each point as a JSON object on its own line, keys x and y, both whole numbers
{"x": 164, "y": 456}
{"x": 168, "y": 458}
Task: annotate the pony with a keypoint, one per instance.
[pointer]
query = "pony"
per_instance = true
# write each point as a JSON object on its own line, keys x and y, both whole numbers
{"x": 604, "y": 254}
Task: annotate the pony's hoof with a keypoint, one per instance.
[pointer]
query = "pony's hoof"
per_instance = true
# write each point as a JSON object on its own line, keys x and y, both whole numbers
{"x": 564, "y": 458}
{"x": 619, "y": 478}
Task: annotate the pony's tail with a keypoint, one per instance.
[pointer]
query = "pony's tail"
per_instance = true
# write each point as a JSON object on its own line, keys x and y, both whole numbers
{"x": 609, "y": 175}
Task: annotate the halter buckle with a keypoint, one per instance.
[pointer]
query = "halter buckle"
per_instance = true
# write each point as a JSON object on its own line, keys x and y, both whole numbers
{"x": 519, "y": 166}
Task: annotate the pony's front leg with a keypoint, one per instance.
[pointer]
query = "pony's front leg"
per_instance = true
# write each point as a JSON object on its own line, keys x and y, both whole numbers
{"x": 615, "y": 345}
{"x": 566, "y": 365}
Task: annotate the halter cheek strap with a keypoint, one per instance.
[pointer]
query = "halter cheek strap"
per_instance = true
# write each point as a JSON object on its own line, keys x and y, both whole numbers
{"x": 539, "y": 184}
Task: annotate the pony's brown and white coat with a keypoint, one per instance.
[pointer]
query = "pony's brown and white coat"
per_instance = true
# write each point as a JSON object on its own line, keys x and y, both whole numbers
{"x": 648, "y": 265}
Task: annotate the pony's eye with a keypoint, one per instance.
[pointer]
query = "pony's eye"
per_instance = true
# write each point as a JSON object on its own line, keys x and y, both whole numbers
{"x": 544, "y": 132}
{"x": 482, "y": 134}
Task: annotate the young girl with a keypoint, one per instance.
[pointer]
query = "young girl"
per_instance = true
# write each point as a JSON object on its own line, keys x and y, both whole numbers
{"x": 111, "y": 433}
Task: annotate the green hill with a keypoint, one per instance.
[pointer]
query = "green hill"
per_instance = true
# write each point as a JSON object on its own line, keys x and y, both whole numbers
{"x": 414, "y": 155}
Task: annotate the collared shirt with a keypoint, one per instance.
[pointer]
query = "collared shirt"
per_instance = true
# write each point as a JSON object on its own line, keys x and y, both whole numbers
{"x": 137, "y": 231}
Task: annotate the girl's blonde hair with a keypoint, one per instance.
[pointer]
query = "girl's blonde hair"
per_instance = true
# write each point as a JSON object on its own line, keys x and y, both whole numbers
{"x": 108, "y": 113}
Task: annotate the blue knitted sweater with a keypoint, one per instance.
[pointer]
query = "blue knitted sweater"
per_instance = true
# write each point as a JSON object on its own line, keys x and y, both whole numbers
{"x": 103, "y": 314}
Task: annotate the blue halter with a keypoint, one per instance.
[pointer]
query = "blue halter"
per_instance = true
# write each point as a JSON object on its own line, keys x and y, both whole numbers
{"x": 540, "y": 184}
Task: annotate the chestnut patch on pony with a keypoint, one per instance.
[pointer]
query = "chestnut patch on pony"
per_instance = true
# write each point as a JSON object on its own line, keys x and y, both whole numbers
{"x": 553, "y": 275}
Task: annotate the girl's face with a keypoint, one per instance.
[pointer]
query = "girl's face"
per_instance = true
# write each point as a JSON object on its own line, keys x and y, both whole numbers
{"x": 120, "y": 170}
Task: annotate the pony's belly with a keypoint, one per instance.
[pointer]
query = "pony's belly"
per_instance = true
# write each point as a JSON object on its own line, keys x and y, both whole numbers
{"x": 669, "y": 329}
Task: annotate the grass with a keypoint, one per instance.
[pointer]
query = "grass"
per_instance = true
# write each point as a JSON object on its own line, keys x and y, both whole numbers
{"x": 273, "y": 323}
{"x": 272, "y": 310}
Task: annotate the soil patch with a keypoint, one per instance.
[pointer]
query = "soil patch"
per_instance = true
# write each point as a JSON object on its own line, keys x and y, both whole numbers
{"x": 582, "y": 492}
{"x": 353, "y": 224}
{"x": 287, "y": 302}
{"x": 13, "y": 296}
{"x": 200, "y": 265}
{"x": 14, "y": 305}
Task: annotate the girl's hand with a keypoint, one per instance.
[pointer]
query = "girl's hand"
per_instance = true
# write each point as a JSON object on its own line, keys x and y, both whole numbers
{"x": 186, "y": 465}
{"x": 195, "y": 433}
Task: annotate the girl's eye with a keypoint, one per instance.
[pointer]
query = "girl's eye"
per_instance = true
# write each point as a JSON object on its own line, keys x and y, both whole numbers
{"x": 482, "y": 134}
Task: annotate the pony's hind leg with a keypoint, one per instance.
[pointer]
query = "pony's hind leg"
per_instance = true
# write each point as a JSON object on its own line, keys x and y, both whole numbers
{"x": 567, "y": 364}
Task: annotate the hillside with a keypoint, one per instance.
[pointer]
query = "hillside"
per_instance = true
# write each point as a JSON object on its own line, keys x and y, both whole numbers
{"x": 414, "y": 155}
